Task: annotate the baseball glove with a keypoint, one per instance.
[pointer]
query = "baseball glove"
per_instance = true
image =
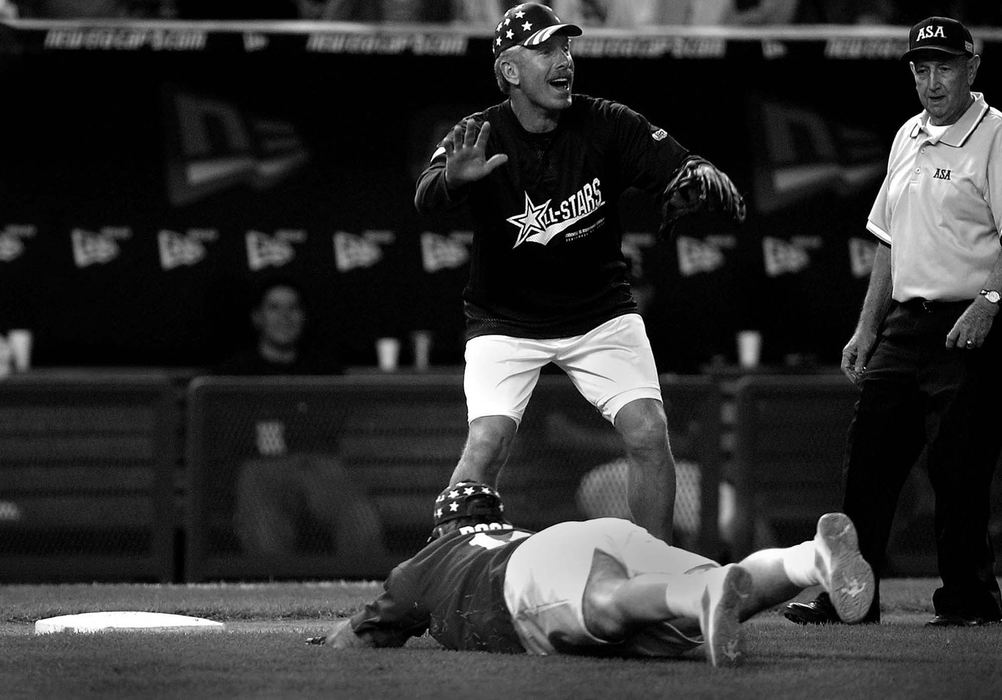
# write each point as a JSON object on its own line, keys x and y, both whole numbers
{"x": 699, "y": 187}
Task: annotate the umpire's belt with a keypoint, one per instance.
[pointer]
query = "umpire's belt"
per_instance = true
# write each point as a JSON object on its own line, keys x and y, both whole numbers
{"x": 918, "y": 305}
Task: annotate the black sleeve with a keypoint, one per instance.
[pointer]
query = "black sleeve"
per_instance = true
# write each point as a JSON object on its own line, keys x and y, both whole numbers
{"x": 648, "y": 155}
{"x": 433, "y": 194}
{"x": 432, "y": 191}
{"x": 389, "y": 621}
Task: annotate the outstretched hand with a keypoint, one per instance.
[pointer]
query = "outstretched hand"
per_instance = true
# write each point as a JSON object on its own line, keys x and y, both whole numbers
{"x": 465, "y": 154}
{"x": 341, "y": 636}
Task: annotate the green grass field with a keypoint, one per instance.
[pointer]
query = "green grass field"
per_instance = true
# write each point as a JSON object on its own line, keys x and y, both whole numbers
{"x": 262, "y": 653}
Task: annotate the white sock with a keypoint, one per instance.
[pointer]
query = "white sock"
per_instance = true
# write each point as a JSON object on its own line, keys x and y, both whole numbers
{"x": 684, "y": 593}
{"x": 798, "y": 563}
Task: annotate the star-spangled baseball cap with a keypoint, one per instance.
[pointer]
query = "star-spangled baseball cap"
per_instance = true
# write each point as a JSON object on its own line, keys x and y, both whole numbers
{"x": 529, "y": 24}
{"x": 941, "y": 34}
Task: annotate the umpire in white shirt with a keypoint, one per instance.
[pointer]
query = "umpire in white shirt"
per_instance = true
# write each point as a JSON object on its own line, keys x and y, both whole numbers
{"x": 927, "y": 350}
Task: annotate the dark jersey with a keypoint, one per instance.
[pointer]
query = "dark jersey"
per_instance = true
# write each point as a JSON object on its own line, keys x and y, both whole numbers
{"x": 547, "y": 260}
{"x": 454, "y": 590}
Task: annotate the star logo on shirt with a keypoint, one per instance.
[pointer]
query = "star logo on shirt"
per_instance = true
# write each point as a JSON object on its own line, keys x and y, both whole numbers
{"x": 530, "y": 221}
{"x": 527, "y": 26}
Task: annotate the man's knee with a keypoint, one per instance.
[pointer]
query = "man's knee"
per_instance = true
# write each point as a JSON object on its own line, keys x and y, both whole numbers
{"x": 643, "y": 425}
{"x": 603, "y": 615}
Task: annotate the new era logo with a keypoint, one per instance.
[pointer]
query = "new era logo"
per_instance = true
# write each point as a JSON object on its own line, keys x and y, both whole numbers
{"x": 634, "y": 246}
{"x": 255, "y": 42}
{"x": 97, "y": 248}
{"x": 12, "y": 241}
{"x": 782, "y": 257}
{"x": 440, "y": 252}
{"x": 353, "y": 251}
{"x": 272, "y": 251}
{"x": 177, "y": 249}
{"x": 696, "y": 256}
{"x": 216, "y": 146}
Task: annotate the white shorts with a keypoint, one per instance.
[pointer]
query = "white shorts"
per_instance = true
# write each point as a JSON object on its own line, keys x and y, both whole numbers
{"x": 546, "y": 576}
{"x": 611, "y": 365}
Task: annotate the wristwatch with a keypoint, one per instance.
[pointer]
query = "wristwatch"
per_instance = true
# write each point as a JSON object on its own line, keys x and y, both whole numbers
{"x": 992, "y": 295}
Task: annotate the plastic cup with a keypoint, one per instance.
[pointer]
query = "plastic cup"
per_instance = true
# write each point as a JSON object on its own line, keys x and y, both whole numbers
{"x": 388, "y": 353}
{"x": 19, "y": 341}
{"x": 749, "y": 348}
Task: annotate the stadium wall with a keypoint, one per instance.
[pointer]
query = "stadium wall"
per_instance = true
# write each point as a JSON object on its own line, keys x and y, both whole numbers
{"x": 144, "y": 476}
{"x": 151, "y": 172}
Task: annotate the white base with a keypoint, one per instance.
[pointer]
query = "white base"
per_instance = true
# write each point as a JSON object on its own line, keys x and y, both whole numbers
{"x": 126, "y": 620}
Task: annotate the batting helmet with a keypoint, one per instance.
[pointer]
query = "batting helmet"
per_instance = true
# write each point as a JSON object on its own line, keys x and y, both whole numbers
{"x": 466, "y": 503}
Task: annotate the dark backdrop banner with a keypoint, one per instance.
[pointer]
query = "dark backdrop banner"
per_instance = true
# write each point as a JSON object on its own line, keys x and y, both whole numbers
{"x": 150, "y": 173}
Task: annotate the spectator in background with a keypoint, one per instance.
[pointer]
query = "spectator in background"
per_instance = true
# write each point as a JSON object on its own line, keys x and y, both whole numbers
{"x": 237, "y": 9}
{"x": 897, "y": 12}
{"x": 479, "y": 13}
{"x": 392, "y": 11}
{"x": 87, "y": 9}
{"x": 296, "y": 491}
{"x": 624, "y": 14}
{"x": 8, "y": 10}
{"x": 278, "y": 316}
{"x": 759, "y": 12}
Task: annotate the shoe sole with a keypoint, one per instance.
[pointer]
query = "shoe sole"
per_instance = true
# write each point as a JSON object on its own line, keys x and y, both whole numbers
{"x": 847, "y": 577}
{"x": 720, "y": 619}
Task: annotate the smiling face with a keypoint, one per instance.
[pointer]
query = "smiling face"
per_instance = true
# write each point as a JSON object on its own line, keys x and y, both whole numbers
{"x": 541, "y": 80}
{"x": 943, "y": 83}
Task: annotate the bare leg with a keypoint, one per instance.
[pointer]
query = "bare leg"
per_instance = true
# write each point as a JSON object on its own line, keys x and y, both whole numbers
{"x": 720, "y": 597}
{"x": 770, "y": 583}
{"x": 488, "y": 444}
{"x": 651, "y": 488}
{"x": 831, "y": 559}
{"x": 712, "y": 598}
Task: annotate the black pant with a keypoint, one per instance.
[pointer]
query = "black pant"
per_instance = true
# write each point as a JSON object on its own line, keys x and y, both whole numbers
{"x": 918, "y": 395}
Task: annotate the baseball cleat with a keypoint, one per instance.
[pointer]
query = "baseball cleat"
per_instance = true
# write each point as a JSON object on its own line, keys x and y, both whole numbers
{"x": 719, "y": 617}
{"x": 846, "y": 576}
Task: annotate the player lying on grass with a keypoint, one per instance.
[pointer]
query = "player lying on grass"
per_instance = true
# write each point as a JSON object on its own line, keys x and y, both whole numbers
{"x": 603, "y": 587}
